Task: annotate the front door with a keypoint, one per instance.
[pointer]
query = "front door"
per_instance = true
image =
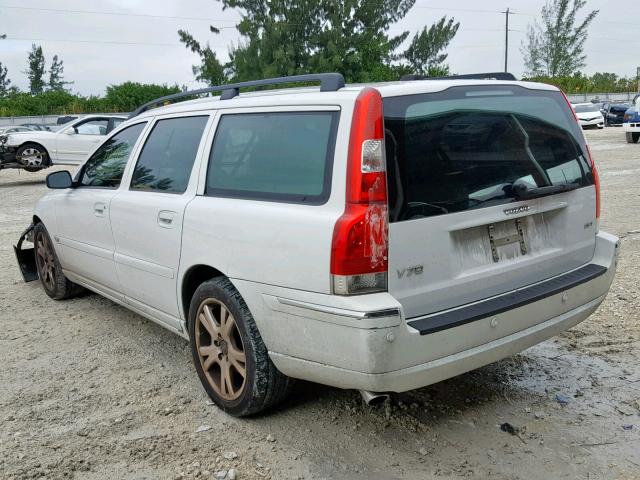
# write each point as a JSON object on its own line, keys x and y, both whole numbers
{"x": 77, "y": 141}
{"x": 83, "y": 213}
{"x": 147, "y": 217}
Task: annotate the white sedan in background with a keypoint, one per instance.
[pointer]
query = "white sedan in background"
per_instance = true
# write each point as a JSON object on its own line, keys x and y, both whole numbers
{"x": 69, "y": 145}
{"x": 589, "y": 115}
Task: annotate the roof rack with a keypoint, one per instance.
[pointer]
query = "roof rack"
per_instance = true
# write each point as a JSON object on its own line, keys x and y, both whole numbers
{"x": 471, "y": 76}
{"x": 329, "y": 82}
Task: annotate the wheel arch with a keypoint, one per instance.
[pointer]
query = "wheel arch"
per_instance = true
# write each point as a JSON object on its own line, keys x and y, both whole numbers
{"x": 195, "y": 276}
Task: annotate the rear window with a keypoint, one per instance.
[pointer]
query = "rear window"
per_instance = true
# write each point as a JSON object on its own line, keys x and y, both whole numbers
{"x": 472, "y": 147}
{"x": 283, "y": 156}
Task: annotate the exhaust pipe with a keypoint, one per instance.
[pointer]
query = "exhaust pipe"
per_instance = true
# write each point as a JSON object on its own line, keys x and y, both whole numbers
{"x": 372, "y": 398}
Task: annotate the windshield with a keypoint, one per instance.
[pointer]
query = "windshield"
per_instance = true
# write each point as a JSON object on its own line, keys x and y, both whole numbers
{"x": 586, "y": 108}
{"x": 472, "y": 147}
{"x": 620, "y": 108}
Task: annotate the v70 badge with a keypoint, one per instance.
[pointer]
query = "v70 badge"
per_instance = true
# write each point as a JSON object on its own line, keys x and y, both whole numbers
{"x": 410, "y": 272}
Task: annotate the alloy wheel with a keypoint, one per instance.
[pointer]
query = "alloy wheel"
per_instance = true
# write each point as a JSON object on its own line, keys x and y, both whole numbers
{"x": 45, "y": 261}
{"x": 220, "y": 349}
{"x": 31, "y": 157}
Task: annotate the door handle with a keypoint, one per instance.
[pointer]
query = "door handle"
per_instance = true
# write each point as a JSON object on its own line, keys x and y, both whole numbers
{"x": 99, "y": 208}
{"x": 166, "y": 218}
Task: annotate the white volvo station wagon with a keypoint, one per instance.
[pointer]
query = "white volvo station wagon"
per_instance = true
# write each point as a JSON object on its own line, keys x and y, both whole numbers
{"x": 376, "y": 237}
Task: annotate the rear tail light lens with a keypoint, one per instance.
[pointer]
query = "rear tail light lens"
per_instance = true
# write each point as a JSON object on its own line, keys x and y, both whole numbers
{"x": 359, "y": 251}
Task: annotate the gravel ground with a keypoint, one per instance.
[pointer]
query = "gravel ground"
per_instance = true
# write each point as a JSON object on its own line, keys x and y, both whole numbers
{"x": 89, "y": 390}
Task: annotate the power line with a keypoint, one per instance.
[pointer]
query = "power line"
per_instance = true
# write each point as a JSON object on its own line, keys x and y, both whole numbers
{"x": 110, "y": 42}
{"x": 123, "y": 14}
{"x": 156, "y": 44}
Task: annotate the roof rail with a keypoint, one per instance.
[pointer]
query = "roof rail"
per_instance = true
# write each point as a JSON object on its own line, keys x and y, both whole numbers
{"x": 470, "y": 76}
{"x": 329, "y": 82}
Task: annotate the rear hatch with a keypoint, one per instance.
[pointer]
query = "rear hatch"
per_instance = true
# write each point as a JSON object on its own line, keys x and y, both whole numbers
{"x": 490, "y": 189}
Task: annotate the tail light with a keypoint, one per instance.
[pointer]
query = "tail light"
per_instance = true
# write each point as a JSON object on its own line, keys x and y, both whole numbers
{"x": 596, "y": 181}
{"x": 359, "y": 262}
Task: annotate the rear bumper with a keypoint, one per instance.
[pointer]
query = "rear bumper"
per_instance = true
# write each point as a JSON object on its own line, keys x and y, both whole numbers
{"x": 386, "y": 354}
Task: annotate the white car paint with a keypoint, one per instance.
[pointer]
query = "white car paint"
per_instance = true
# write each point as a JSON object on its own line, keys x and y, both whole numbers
{"x": 137, "y": 248}
{"x": 589, "y": 115}
{"x": 72, "y": 143}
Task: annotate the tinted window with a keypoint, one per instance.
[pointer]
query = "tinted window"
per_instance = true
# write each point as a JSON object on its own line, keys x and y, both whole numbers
{"x": 273, "y": 156}
{"x": 92, "y": 127}
{"x": 471, "y": 147}
{"x": 167, "y": 157}
{"x": 106, "y": 165}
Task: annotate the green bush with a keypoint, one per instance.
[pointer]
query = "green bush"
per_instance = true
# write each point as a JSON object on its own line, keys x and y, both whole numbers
{"x": 119, "y": 98}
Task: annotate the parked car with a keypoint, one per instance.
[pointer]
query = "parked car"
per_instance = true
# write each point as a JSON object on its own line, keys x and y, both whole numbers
{"x": 631, "y": 123}
{"x": 14, "y": 129}
{"x": 70, "y": 145}
{"x": 336, "y": 235}
{"x": 614, "y": 113}
{"x": 37, "y": 126}
{"x": 589, "y": 115}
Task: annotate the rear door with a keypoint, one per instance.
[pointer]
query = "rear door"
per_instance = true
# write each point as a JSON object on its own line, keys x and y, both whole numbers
{"x": 490, "y": 189}
{"x": 147, "y": 217}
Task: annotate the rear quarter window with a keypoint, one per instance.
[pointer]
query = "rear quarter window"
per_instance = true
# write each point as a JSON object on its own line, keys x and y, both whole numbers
{"x": 279, "y": 156}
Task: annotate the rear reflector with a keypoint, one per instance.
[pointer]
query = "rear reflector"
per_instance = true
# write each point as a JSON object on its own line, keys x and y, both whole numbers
{"x": 360, "y": 237}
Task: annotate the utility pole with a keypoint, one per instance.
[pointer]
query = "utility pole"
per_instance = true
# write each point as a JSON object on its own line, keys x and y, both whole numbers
{"x": 506, "y": 39}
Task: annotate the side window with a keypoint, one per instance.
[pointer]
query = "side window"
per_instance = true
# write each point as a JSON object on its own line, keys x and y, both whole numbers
{"x": 106, "y": 165}
{"x": 92, "y": 127}
{"x": 167, "y": 157}
{"x": 285, "y": 156}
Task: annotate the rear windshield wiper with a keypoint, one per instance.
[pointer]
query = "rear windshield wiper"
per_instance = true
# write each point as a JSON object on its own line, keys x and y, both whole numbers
{"x": 523, "y": 192}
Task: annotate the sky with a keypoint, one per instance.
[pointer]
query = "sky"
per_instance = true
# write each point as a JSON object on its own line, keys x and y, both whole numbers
{"x": 136, "y": 41}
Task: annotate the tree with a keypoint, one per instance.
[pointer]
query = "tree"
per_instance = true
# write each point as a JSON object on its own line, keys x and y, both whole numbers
{"x": 556, "y": 48}
{"x": 210, "y": 70}
{"x": 287, "y": 37}
{"x": 425, "y": 54}
{"x": 56, "y": 75}
{"x": 5, "y": 83}
{"x": 130, "y": 95}
{"x": 35, "y": 71}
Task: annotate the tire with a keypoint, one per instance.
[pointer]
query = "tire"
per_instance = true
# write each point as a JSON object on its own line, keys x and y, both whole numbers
{"x": 53, "y": 281}
{"x": 633, "y": 137}
{"x": 218, "y": 345}
{"x": 36, "y": 156}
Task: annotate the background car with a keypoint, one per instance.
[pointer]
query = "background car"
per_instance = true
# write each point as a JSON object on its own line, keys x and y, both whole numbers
{"x": 614, "y": 113}
{"x": 589, "y": 115}
{"x": 14, "y": 129}
{"x": 69, "y": 145}
{"x": 37, "y": 126}
{"x": 631, "y": 123}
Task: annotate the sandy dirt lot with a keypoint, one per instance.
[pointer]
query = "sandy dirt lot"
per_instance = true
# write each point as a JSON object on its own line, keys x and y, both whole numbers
{"x": 89, "y": 390}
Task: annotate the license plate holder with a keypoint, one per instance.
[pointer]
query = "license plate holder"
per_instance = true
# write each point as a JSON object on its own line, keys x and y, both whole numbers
{"x": 517, "y": 237}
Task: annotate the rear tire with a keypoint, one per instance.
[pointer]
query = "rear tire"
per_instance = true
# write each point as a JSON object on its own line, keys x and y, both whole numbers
{"x": 53, "y": 281}
{"x": 633, "y": 137}
{"x": 228, "y": 352}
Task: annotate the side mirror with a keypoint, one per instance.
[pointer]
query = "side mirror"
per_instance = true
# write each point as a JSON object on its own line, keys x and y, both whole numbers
{"x": 59, "y": 180}
{"x": 70, "y": 131}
